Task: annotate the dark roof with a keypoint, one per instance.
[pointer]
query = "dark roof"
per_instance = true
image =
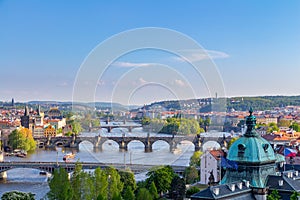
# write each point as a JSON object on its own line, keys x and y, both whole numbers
{"x": 290, "y": 184}
{"x": 225, "y": 192}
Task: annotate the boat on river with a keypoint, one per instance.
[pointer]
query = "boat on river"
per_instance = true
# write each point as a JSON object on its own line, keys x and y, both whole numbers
{"x": 20, "y": 153}
{"x": 69, "y": 156}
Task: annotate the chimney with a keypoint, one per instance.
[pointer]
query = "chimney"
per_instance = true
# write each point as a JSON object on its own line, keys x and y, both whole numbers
{"x": 240, "y": 185}
{"x": 296, "y": 173}
{"x": 232, "y": 187}
{"x": 280, "y": 182}
{"x": 216, "y": 191}
{"x": 247, "y": 184}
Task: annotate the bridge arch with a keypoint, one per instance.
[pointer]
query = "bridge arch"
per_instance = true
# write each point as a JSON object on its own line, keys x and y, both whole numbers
{"x": 161, "y": 144}
{"x": 86, "y": 144}
{"x": 109, "y": 144}
{"x": 140, "y": 145}
{"x": 210, "y": 145}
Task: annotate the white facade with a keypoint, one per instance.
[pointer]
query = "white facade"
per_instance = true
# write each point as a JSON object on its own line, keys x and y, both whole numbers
{"x": 209, "y": 163}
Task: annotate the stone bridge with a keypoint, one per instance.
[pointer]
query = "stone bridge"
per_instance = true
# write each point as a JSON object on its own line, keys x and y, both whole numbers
{"x": 122, "y": 141}
{"x": 70, "y": 166}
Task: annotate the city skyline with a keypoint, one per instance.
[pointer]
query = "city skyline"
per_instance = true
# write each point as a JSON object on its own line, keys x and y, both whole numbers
{"x": 254, "y": 46}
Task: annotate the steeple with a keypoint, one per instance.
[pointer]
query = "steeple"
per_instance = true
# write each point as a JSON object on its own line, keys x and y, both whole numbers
{"x": 38, "y": 110}
{"x": 251, "y": 123}
{"x": 26, "y": 113}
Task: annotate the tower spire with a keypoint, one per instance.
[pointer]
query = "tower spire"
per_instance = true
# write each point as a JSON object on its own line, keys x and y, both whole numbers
{"x": 26, "y": 113}
{"x": 251, "y": 123}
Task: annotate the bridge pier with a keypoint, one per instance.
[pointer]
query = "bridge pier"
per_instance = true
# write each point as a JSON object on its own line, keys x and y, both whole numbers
{"x": 123, "y": 146}
{"x": 173, "y": 146}
{"x": 148, "y": 147}
{"x": 129, "y": 129}
{"x": 3, "y": 175}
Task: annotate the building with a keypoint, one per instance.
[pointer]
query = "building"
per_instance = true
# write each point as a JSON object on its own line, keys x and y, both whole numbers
{"x": 50, "y": 131}
{"x": 25, "y": 119}
{"x": 254, "y": 170}
{"x": 210, "y": 166}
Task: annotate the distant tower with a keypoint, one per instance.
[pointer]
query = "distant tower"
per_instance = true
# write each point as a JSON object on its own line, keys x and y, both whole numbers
{"x": 12, "y": 102}
{"x": 38, "y": 110}
{"x": 216, "y": 95}
{"x": 25, "y": 118}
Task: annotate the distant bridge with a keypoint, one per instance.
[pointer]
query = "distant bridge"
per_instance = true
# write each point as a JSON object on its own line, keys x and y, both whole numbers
{"x": 111, "y": 125}
{"x": 70, "y": 166}
{"x": 122, "y": 141}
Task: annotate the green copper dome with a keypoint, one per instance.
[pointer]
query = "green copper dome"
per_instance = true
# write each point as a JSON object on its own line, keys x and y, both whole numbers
{"x": 251, "y": 148}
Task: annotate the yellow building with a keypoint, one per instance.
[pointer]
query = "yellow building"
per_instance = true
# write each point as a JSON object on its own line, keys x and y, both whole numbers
{"x": 50, "y": 131}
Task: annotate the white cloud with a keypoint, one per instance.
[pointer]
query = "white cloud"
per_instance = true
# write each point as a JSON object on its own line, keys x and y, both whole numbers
{"x": 142, "y": 81}
{"x": 178, "y": 83}
{"x": 198, "y": 55}
{"x": 132, "y": 64}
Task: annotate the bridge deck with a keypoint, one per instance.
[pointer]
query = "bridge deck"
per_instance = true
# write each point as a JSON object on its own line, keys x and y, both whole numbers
{"x": 136, "y": 168}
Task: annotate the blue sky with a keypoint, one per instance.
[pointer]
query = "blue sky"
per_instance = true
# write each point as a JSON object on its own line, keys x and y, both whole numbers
{"x": 254, "y": 44}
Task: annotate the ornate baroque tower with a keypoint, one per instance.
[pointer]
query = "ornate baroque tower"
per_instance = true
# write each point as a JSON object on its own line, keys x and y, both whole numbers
{"x": 254, "y": 157}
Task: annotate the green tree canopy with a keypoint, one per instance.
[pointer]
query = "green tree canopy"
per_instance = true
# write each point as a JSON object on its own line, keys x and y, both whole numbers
{"x": 21, "y": 138}
{"x": 191, "y": 174}
{"x": 153, "y": 191}
{"x": 101, "y": 183}
{"x": 191, "y": 191}
{"x": 17, "y": 195}
{"x": 177, "y": 191}
{"x": 295, "y": 196}
{"x": 128, "y": 180}
{"x": 129, "y": 194}
{"x": 274, "y": 195}
{"x": 115, "y": 186}
{"x": 162, "y": 177}
{"x": 60, "y": 187}
{"x": 144, "y": 194}
{"x": 195, "y": 159}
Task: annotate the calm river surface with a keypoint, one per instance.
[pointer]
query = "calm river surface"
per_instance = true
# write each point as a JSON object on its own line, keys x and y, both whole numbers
{"x": 29, "y": 180}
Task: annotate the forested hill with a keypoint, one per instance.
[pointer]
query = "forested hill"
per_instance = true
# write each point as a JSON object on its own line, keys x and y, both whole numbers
{"x": 262, "y": 103}
{"x": 236, "y": 103}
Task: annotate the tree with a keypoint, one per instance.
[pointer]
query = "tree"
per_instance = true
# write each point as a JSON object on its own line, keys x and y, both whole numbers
{"x": 87, "y": 186}
{"x": 16, "y": 195}
{"x": 76, "y": 127}
{"x": 284, "y": 123}
{"x": 272, "y": 127}
{"x": 76, "y": 181}
{"x": 195, "y": 159}
{"x": 115, "y": 186}
{"x": 191, "y": 191}
{"x": 153, "y": 191}
{"x": 144, "y": 194}
{"x": 162, "y": 177}
{"x": 101, "y": 184}
{"x": 191, "y": 174}
{"x": 21, "y": 138}
{"x": 60, "y": 187}
{"x": 129, "y": 194}
{"x": 274, "y": 195}
{"x": 295, "y": 196}
{"x": 177, "y": 191}
{"x": 127, "y": 178}
{"x": 295, "y": 126}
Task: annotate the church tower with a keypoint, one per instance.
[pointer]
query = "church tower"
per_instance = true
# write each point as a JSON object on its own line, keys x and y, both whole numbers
{"x": 25, "y": 118}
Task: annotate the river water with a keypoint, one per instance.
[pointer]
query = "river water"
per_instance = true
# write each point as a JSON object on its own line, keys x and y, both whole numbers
{"x": 29, "y": 180}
